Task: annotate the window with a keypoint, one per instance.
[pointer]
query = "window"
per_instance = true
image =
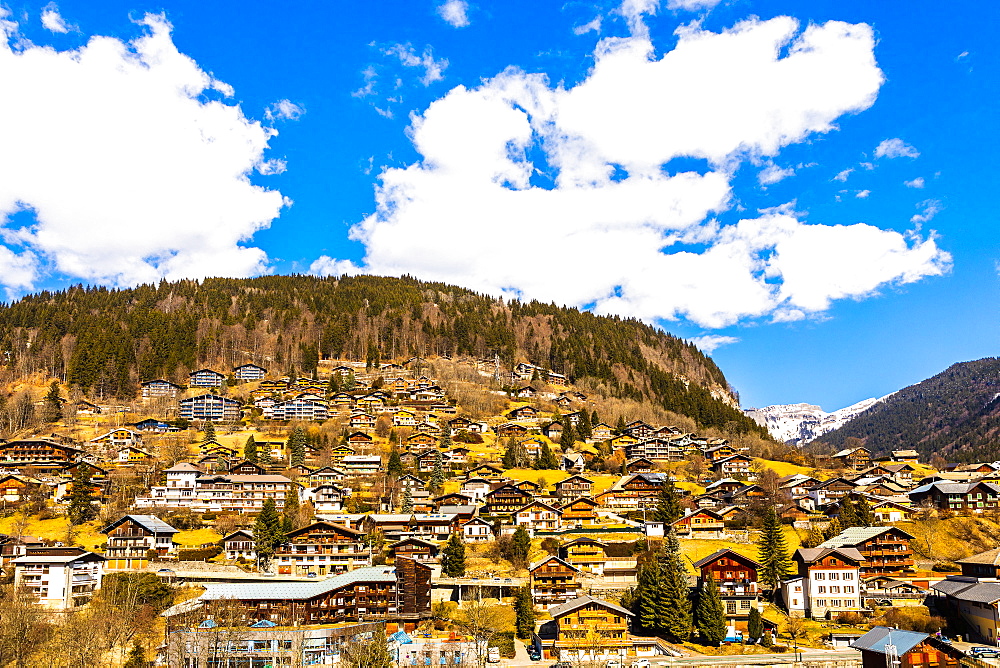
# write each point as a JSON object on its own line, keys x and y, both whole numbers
{"x": 848, "y": 590}
{"x": 821, "y": 603}
{"x": 834, "y": 590}
{"x": 820, "y": 576}
{"x": 821, "y": 590}
{"x": 848, "y": 576}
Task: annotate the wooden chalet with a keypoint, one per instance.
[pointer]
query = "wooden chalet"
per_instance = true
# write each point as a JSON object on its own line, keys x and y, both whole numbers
{"x": 736, "y": 577}
{"x": 700, "y": 523}
{"x": 579, "y": 511}
{"x": 414, "y": 548}
{"x": 883, "y": 646}
{"x": 505, "y": 500}
{"x": 573, "y": 487}
{"x": 37, "y": 453}
{"x": 323, "y": 548}
{"x": 553, "y": 581}
{"x": 133, "y": 538}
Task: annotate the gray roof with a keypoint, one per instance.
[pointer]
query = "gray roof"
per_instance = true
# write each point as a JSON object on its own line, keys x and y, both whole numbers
{"x": 855, "y": 535}
{"x": 811, "y": 554}
{"x": 951, "y": 587}
{"x": 880, "y": 636}
{"x": 981, "y": 592}
{"x": 57, "y": 558}
{"x": 718, "y": 553}
{"x": 257, "y": 591}
{"x": 570, "y": 606}
{"x": 150, "y": 523}
{"x": 990, "y": 557}
{"x": 458, "y": 510}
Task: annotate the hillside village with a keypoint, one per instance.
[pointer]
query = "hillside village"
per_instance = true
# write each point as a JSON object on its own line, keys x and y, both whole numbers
{"x": 455, "y": 510}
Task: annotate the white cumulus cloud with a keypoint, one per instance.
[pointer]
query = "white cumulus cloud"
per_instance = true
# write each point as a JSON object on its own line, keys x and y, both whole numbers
{"x": 644, "y": 242}
{"x": 842, "y": 176}
{"x": 772, "y": 174}
{"x": 710, "y": 342}
{"x": 284, "y": 110}
{"x": 895, "y": 148}
{"x": 132, "y": 166}
{"x": 53, "y": 21}
{"x": 915, "y": 183}
{"x": 433, "y": 68}
{"x": 325, "y": 265}
{"x": 692, "y": 5}
{"x": 863, "y": 194}
{"x": 455, "y": 12}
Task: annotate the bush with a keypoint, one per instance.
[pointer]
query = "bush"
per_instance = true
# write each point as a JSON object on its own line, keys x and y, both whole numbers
{"x": 916, "y": 618}
{"x": 505, "y": 643}
{"x": 198, "y": 553}
{"x": 780, "y": 649}
{"x": 945, "y": 567}
{"x": 208, "y": 517}
{"x": 850, "y": 618}
{"x": 141, "y": 588}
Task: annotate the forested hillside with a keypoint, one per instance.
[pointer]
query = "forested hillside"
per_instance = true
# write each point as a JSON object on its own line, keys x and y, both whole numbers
{"x": 955, "y": 414}
{"x": 106, "y": 341}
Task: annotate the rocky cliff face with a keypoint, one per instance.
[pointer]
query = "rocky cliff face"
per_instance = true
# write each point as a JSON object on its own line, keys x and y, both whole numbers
{"x": 801, "y": 423}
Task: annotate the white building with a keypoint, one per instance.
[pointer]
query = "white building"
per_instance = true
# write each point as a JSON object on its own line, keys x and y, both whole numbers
{"x": 361, "y": 464}
{"x": 830, "y": 581}
{"x": 62, "y": 578}
{"x": 188, "y": 487}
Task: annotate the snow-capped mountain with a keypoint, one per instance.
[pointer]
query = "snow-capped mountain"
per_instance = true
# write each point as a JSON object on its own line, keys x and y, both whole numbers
{"x": 800, "y": 423}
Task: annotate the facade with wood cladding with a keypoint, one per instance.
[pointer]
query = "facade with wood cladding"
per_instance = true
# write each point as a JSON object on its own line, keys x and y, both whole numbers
{"x": 553, "y": 581}
{"x": 322, "y": 548}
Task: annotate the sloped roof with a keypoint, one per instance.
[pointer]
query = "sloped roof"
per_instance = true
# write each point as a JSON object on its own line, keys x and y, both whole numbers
{"x": 812, "y": 554}
{"x": 990, "y": 557}
{"x": 150, "y": 523}
{"x": 981, "y": 592}
{"x": 296, "y": 590}
{"x": 577, "y": 603}
{"x": 719, "y": 553}
{"x": 856, "y": 535}
{"x": 880, "y": 636}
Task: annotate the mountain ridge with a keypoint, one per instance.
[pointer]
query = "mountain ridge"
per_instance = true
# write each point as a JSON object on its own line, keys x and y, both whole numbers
{"x": 798, "y": 424}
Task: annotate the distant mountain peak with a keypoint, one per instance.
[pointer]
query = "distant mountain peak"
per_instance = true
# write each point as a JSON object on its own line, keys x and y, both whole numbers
{"x": 799, "y": 424}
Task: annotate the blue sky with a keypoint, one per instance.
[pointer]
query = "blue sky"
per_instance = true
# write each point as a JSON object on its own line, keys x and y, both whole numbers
{"x": 809, "y": 197}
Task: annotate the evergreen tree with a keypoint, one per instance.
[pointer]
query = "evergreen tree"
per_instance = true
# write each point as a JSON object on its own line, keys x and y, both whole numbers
{"x": 81, "y": 498}
{"x": 297, "y": 447}
{"x": 832, "y": 529}
{"x": 250, "y": 450}
{"x": 290, "y": 512}
{"x": 583, "y": 428}
{"x": 863, "y": 511}
{"x": 755, "y": 626}
{"x": 395, "y": 466}
{"x": 267, "y": 533}
{"x": 620, "y": 425}
{"x": 522, "y": 546}
{"x": 568, "y": 436}
{"x": 406, "y": 505}
{"x": 453, "y": 557}
{"x": 675, "y": 595}
{"x": 333, "y": 385}
{"x": 709, "y": 615}
{"x": 136, "y": 657}
{"x": 438, "y": 475}
{"x": 349, "y": 382}
{"x": 264, "y": 459}
{"x": 546, "y": 460}
{"x": 445, "y": 442}
{"x": 668, "y": 504}
{"x": 594, "y": 420}
{"x": 524, "y": 610}
{"x": 209, "y": 429}
{"x": 848, "y": 515}
{"x": 647, "y": 603}
{"x": 775, "y": 565}
{"x": 53, "y": 404}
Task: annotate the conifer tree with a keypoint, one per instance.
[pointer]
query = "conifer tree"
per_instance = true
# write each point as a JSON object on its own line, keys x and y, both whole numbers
{"x": 863, "y": 511}
{"x": 814, "y": 538}
{"x": 406, "y": 506}
{"x": 267, "y": 533}
{"x": 668, "y": 504}
{"x": 594, "y": 420}
{"x": 395, "y": 466}
{"x": 709, "y": 615}
{"x": 53, "y": 403}
{"x": 290, "y": 512}
{"x": 333, "y": 385}
{"x": 453, "y": 557}
{"x": 524, "y": 610}
{"x": 568, "y": 436}
{"x": 445, "y": 442}
{"x": 848, "y": 515}
{"x": 136, "y": 657}
{"x": 81, "y": 498}
{"x": 297, "y": 447}
{"x": 546, "y": 460}
{"x": 620, "y": 425}
{"x": 647, "y": 603}
{"x": 250, "y": 450}
{"x": 775, "y": 565}
{"x": 755, "y": 625}
{"x": 209, "y": 429}
{"x": 675, "y": 595}
{"x": 832, "y": 529}
{"x": 522, "y": 546}
{"x": 264, "y": 459}
{"x": 437, "y": 475}
{"x": 583, "y": 428}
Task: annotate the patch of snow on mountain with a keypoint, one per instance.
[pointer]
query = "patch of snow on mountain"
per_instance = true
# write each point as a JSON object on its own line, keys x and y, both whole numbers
{"x": 801, "y": 423}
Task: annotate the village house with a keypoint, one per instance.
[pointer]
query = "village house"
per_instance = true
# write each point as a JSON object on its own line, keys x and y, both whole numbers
{"x": 522, "y": 413}
{"x": 886, "y": 591}
{"x": 117, "y": 438}
{"x": 61, "y": 577}
{"x": 736, "y": 577}
{"x": 573, "y": 486}
{"x": 511, "y": 430}
{"x": 189, "y": 487}
{"x": 579, "y": 511}
{"x": 487, "y": 471}
{"x": 886, "y": 549}
{"x": 477, "y": 530}
{"x": 700, "y": 523}
{"x": 857, "y": 459}
{"x": 392, "y": 525}
{"x": 883, "y": 646}
{"x": 553, "y": 581}
{"x": 633, "y": 492}
{"x": 209, "y": 407}
{"x": 414, "y": 548}
{"x": 974, "y": 596}
{"x": 152, "y": 389}
{"x": 737, "y": 466}
{"x": 206, "y": 378}
{"x": 830, "y": 491}
{"x": 299, "y": 408}
{"x": 640, "y": 465}
{"x": 361, "y": 465}
{"x": 240, "y": 545}
{"x": 577, "y": 638}
{"x": 587, "y": 554}
{"x": 130, "y": 455}
{"x": 399, "y": 595}
{"x": 961, "y": 497}
{"x": 134, "y": 538}
{"x": 828, "y": 582}
{"x": 328, "y": 498}
{"x": 538, "y": 516}
{"x": 476, "y": 489}
{"x": 249, "y": 372}
{"x": 505, "y": 500}
{"x": 16, "y": 488}
{"x": 323, "y": 548}
{"x": 39, "y": 453}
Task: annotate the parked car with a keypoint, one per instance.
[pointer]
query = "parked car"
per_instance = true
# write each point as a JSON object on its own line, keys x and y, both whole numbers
{"x": 561, "y": 664}
{"x": 980, "y": 651}
{"x": 614, "y": 663}
{"x": 534, "y": 654}
{"x": 640, "y": 663}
